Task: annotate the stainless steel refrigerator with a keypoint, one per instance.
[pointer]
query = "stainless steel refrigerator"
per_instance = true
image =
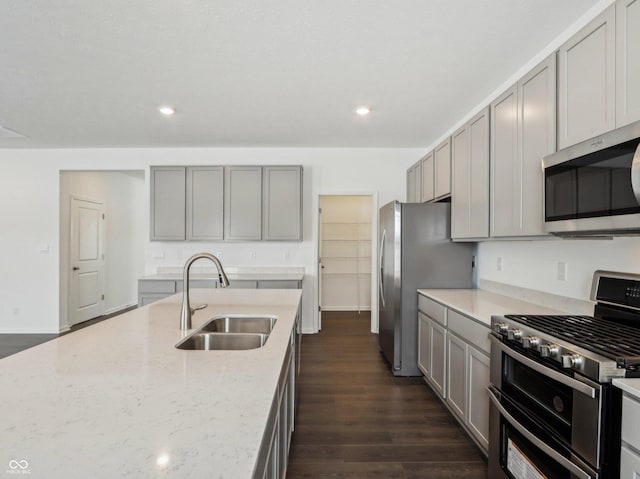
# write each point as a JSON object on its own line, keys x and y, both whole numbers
{"x": 415, "y": 252}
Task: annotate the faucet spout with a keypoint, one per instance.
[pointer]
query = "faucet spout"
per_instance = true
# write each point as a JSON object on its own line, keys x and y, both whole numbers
{"x": 187, "y": 311}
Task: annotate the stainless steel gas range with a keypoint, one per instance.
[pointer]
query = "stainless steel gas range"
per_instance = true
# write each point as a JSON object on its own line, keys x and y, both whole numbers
{"x": 554, "y": 413}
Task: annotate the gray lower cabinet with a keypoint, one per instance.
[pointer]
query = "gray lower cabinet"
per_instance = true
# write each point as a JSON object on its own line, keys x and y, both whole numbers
{"x": 243, "y": 203}
{"x": 586, "y": 81}
{"x": 205, "y": 202}
{"x": 282, "y": 203}
{"x": 167, "y": 216}
{"x": 519, "y": 140}
{"x": 630, "y": 450}
{"x": 627, "y": 62}
{"x": 454, "y": 358}
{"x": 470, "y": 179}
{"x": 456, "y": 379}
{"x": 273, "y": 457}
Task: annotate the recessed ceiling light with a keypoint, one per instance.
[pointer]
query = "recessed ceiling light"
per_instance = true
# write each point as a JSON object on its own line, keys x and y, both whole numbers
{"x": 167, "y": 110}
{"x": 363, "y": 111}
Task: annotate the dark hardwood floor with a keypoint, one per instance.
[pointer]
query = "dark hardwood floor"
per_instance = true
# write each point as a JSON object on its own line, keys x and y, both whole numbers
{"x": 14, "y": 343}
{"x": 356, "y": 420}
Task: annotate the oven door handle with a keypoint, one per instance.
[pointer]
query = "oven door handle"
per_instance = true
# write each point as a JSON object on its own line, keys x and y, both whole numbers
{"x": 559, "y": 458}
{"x": 550, "y": 373}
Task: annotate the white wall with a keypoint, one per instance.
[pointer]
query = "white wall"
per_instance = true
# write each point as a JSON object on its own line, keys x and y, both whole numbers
{"x": 30, "y": 209}
{"x": 534, "y": 264}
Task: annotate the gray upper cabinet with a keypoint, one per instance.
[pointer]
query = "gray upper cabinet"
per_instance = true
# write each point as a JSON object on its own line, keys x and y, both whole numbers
{"x": 586, "y": 81}
{"x": 428, "y": 181}
{"x": 243, "y": 203}
{"x": 470, "y": 179}
{"x": 506, "y": 169}
{"x": 627, "y": 62}
{"x": 282, "y": 203}
{"x": 414, "y": 183}
{"x": 205, "y": 202}
{"x": 522, "y": 133}
{"x": 442, "y": 169}
{"x": 537, "y": 138}
{"x": 167, "y": 203}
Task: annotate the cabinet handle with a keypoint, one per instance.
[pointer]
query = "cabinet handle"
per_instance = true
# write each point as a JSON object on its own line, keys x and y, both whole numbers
{"x": 75, "y": 268}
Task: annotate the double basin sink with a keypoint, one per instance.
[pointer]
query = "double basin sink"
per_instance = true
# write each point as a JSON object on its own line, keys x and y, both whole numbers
{"x": 230, "y": 332}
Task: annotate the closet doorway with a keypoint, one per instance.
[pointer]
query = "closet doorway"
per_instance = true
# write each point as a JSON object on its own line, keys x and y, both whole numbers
{"x": 345, "y": 254}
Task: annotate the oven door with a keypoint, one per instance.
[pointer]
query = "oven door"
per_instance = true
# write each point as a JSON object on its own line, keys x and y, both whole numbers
{"x": 543, "y": 421}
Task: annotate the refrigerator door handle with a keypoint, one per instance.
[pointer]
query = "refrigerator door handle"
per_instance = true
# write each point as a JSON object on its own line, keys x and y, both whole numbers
{"x": 381, "y": 278}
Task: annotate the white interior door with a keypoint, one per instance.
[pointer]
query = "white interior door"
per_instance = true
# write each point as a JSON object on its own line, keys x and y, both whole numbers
{"x": 86, "y": 285}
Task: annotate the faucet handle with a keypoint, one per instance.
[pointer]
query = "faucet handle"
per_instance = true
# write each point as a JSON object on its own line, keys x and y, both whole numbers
{"x": 198, "y": 308}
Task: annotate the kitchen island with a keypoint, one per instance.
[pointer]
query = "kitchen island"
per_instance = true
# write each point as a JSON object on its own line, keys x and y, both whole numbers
{"x": 117, "y": 399}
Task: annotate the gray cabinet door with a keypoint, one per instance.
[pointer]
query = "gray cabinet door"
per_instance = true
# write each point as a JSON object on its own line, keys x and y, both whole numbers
{"x": 586, "y": 77}
{"x": 520, "y": 139}
{"x": 414, "y": 181}
{"x": 427, "y": 168}
{"x": 627, "y": 62}
{"x": 479, "y": 175}
{"x": 205, "y": 202}
{"x": 424, "y": 344}
{"x": 168, "y": 187}
{"x": 456, "y": 375}
{"x": 477, "y": 398}
{"x": 470, "y": 180}
{"x": 437, "y": 362}
{"x": 460, "y": 183}
{"x": 506, "y": 167}
{"x": 243, "y": 202}
{"x": 537, "y": 138}
{"x": 282, "y": 203}
{"x": 442, "y": 169}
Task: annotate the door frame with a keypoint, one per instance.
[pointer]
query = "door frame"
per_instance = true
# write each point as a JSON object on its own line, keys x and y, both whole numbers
{"x": 317, "y": 317}
{"x": 102, "y": 249}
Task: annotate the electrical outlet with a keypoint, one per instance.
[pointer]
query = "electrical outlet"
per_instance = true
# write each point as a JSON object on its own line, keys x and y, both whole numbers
{"x": 562, "y": 271}
{"x": 219, "y": 254}
{"x": 287, "y": 256}
{"x": 253, "y": 255}
{"x": 500, "y": 263}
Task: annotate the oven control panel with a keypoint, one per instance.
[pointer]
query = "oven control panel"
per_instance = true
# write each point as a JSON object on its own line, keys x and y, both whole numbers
{"x": 540, "y": 345}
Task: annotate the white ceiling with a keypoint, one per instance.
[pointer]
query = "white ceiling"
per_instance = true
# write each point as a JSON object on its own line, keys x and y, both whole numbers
{"x": 259, "y": 73}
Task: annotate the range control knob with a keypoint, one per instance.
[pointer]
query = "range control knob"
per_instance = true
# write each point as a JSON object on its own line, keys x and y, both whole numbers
{"x": 500, "y": 328}
{"x": 531, "y": 342}
{"x": 571, "y": 360}
{"x": 549, "y": 350}
{"x": 514, "y": 334}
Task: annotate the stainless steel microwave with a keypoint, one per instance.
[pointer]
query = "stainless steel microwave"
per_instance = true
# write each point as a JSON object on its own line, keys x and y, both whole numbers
{"x": 593, "y": 188}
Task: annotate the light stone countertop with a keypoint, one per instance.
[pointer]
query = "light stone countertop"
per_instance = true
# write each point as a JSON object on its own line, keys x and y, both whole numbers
{"x": 628, "y": 385}
{"x": 481, "y": 305}
{"x": 108, "y": 400}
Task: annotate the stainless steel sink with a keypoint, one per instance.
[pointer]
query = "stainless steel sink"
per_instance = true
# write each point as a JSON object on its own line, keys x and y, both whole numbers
{"x": 240, "y": 324}
{"x": 206, "y": 341}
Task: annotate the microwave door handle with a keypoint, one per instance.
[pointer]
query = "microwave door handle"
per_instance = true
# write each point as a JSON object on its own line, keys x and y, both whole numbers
{"x": 635, "y": 174}
{"x": 550, "y": 373}
{"x": 559, "y": 458}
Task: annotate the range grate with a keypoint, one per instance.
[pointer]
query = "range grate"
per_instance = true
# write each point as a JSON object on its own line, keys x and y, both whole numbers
{"x": 600, "y": 336}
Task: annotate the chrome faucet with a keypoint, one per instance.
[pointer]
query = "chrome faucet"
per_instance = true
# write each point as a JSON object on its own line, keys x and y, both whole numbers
{"x": 187, "y": 311}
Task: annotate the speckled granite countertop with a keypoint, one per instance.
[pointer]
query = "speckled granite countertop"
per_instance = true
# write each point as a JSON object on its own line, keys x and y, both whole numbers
{"x": 117, "y": 399}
